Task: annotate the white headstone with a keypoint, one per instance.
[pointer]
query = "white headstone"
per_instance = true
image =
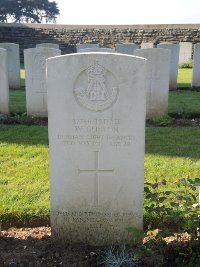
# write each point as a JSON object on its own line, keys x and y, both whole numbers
{"x": 147, "y": 45}
{"x": 96, "y": 134}
{"x": 126, "y": 48}
{"x": 4, "y": 87}
{"x": 185, "y": 53}
{"x": 174, "y": 48}
{"x": 196, "y": 66}
{"x": 13, "y": 64}
{"x": 50, "y": 45}
{"x": 97, "y": 49}
{"x": 35, "y": 68}
{"x": 85, "y": 45}
{"x": 157, "y": 80}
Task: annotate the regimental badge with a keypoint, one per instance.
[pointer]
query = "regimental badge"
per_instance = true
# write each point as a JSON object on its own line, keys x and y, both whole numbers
{"x": 96, "y": 88}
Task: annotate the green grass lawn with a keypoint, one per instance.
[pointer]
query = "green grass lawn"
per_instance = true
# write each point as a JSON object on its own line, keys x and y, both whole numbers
{"x": 24, "y": 182}
{"x": 22, "y": 75}
{"x": 171, "y": 153}
{"x": 18, "y": 97}
{"x": 185, "y": 103}
{"x": 184, "y": 78}
{"x": 17, "y": 101}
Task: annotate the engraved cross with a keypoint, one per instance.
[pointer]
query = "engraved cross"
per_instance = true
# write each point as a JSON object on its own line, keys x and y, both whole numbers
{"x": 96, "y": 172}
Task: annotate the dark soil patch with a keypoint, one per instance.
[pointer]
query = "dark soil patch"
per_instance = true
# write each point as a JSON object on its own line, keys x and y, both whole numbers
{"x": 33, "y": 247}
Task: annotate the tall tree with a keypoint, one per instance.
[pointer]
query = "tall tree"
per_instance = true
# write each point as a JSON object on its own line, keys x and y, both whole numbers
{"x": 32, "y": 11}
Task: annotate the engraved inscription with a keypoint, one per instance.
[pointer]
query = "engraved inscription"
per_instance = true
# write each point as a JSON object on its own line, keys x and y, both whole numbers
{"x": 96, "y": 140}
{"x": 96, "y": 133}
{"x": 96, "y": 171}
{"x": 96, "y": 88}
{"x": 96, "y": 217}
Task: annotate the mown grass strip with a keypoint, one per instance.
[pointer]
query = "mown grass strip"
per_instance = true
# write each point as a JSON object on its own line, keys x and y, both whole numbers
{"x": 171, "y": 153}
{"x": 184, "y": 103}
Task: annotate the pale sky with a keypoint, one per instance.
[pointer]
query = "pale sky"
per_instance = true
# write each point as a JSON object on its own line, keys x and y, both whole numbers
{"x": 128, "y": 11}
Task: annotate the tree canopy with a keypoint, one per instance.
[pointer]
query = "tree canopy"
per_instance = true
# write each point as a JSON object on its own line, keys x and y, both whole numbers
{"x": 31, "y": 11}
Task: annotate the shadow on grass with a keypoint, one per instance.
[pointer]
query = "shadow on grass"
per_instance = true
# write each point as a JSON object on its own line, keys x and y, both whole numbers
{"x": 17, "y": 101}
{"x": 174, "y": 142}
{"x": 185, "y": 102}
{"x": 177, "y": 142}
{"x": 22, "y": 134}
{"x": 184, "y": 86}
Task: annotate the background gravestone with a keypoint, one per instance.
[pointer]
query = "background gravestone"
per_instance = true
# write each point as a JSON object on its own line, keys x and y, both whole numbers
{"x": 4, "y": 87}
{"x": 96, "y": 49}
{"x": 126, "y": 48}
{"x": 174, "y": 48}
{"x": 50, "y": 45}
{"x": 13, "y": 64}
{"x": 36, "y": 91}
{"x": 157, "y": 80}
{"x": 185, "y": 53}
{"x": 96, "y": 133}
{"x": 147, "y": 45}
{"x": 196, "y": 66}
{"x": 85, "y": 45}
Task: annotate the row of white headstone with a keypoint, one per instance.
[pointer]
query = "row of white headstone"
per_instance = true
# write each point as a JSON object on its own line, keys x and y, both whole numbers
{"x": 35, "y": 66}
{"x": 157, "y": 81}
{"x": 185, "y": 53}
{"x": 96, "y": 126}
{"x": 180, "y": 53}
{"x": 12, "y": 64}
{"x": 162, "y": 74}
{"x": 10, "y": 71}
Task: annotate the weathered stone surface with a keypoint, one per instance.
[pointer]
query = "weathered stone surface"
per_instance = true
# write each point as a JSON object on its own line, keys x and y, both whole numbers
{"x": 147, "y": 45}
{"x": 185, "y": 53}
{"x": 174, "y": 48}
{"x": 96, "y": 134}
{"x": 36, "y": 91}
{"x": 85, "y": 45}
{"x": 13, "y": 64}
{"x": 96, "y": 49}
{"x": 4, "y": 87}
{"x": 50, "y": 45}
{"x": 126, "y": 48}
{"x": 157, "y": 80}
{"x": 196, "y": 66}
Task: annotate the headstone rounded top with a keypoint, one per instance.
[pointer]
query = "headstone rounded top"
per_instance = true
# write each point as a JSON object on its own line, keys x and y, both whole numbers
{"x": 50, "y": 45}
{"x": 96, "y": 49}
{"x": 3, "y": 50}
{"x": 151, "y": 50}
{"x": 166, "y": 43}
{"x": 9, "y": 44}
{"x": 86, "y": 45}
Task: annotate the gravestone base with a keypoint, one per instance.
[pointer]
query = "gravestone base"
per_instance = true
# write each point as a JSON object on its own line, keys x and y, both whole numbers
{"x": 92, "y": 226}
